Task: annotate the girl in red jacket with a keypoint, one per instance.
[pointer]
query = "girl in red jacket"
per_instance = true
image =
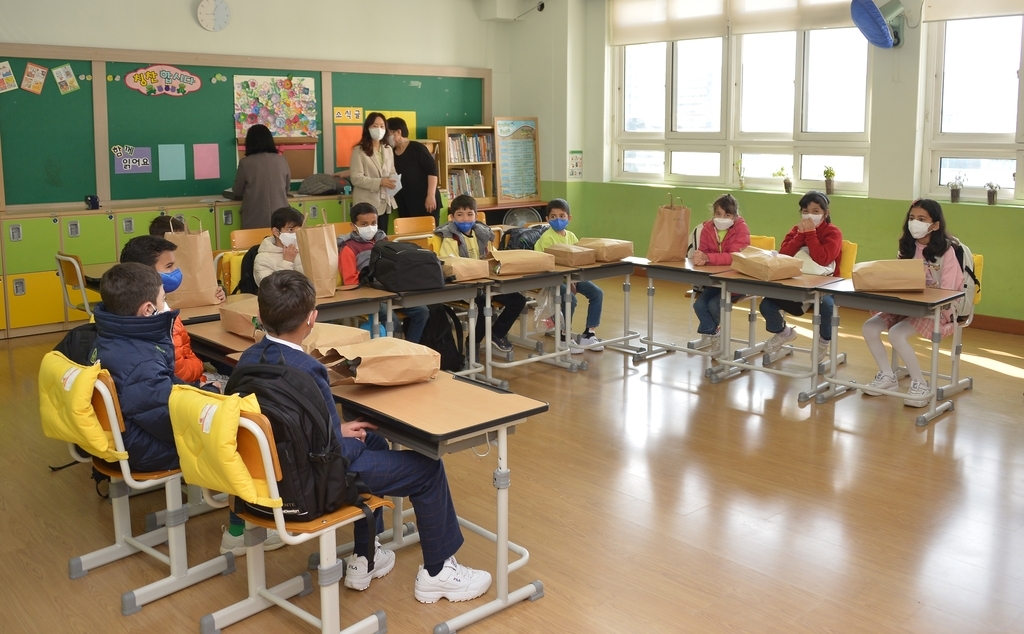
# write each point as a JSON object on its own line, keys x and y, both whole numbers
{"x": 720, "y": 237}
{"x": 819, "y": 243}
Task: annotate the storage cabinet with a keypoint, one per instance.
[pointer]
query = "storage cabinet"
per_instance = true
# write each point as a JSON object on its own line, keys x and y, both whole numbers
{"x": 3, "y": 311}
{"x": 131, "y": 224}
{"x": 30, "y": 244}
{"x": 90, "y": 237}
{"x": 34, "y": 299}
{"x": 226, "y": 220}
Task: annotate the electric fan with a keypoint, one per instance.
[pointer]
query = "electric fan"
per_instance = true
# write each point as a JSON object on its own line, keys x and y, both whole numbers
{"x": 882, "y": 26}
{"x": 521, "y": 216}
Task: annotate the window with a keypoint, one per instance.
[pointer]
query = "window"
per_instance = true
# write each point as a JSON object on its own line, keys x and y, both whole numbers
{"x": 645, "y": 88}
{"x": 698, "y": 85}
{"x": 849, "y": 169}
{"x": 643, "y": 161}
{"x": 837, "y": 69}
{"x": 697, "y": 163}
{"x": 767, "y": 73}
{"x": 764, "y": 165}
{"x": 977, "y": 171}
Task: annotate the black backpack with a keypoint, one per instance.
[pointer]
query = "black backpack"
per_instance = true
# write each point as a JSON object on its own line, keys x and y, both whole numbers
{"x": 402, "y": 266}
{"x": 314, "y": 474}
{"x": 522, "y": 237}
{"x": 437, "y": 335}
{"x": 247, "y": 279}
{"x": 78, "y": 344}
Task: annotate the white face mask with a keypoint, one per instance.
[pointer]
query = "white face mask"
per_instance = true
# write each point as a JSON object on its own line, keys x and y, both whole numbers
{"x": 815, "y": 218}
{"x": 723, "y": 223}
{"x": 376, "y": 133}
{"x": 918, "y": 228}
{"x": 288, "y": 239}
{"x": 367, "y": 233}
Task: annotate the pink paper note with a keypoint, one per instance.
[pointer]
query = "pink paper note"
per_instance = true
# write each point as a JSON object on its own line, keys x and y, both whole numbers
{"x": 206, "y": 157}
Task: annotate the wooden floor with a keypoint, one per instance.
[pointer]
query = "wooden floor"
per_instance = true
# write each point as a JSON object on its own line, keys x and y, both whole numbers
{"x": 650, "y": 499}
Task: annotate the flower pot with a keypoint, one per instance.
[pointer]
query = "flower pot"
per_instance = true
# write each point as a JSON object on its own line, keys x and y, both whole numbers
{"x": 788, "y": 184}
{"x": 992, "y": 196}
{"x": 829, "y": 186}
{"x": 954, "y": 195}
{"x": 743, "y": 183}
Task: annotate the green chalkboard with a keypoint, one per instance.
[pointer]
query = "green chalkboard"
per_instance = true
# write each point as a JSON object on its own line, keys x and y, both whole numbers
{"x": 47, "y": 139}
{"x": 200, "y": 117}
{"x": 436, "y": 100}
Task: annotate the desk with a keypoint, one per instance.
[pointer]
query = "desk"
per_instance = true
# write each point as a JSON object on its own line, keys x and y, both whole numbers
{"x": 454, "y": 292}
{"x": 604, "y": 270}
{"x": 93, "y": 272}
{"x": 354, "y": 303}
{"x": 921, "y": 304}
{"x": 202, "y": 314}
{"x": 434, "y": 431}
{"x": 212, "y": 343}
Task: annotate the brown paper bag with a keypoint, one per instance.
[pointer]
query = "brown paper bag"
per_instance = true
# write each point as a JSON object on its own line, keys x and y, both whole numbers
{"x": 670, "y": 234}
{"x": 571, "y": 254}
{"x": 889, "y": 275}
{"x": 318, "y": 250}
{"x": 241, "y": 318}
{"x": 520, "y": 262}
{"x": 194, "y": 256}
{"x": 766, "y": 265}
{"x": 607, "y": 249}
{"x": 326, "y": 336}
{"x": 383, "y": 361}
{"x": 464, "y": 269}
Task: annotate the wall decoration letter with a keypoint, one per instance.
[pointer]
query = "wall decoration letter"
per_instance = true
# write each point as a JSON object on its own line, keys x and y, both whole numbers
{"x": 163, "y": 80}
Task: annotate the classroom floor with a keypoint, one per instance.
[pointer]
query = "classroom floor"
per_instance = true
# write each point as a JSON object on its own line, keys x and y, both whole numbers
{"x": 650, "y": 499}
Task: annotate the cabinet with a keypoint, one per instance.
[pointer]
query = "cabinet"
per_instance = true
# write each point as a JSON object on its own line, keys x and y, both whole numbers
{"x": 90, "y": 237}
{"x": 131, "y": 224}
{"x": 337, "y": 210}
{"x": 34, "y": 299}
{"x": 30, "y": 244}
{"x": 465, "y": 161}
{"x": 227, "y": 220}
{"x": 3, "y": 311}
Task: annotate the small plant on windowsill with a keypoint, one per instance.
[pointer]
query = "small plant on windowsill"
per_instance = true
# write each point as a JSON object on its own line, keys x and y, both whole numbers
{"x": 992, "y": 189}
{"x": 955, "y": 185}
{"x": 830, "y": 179}
{"x": 739, "y": 172}
{"x": 788, "y": 184}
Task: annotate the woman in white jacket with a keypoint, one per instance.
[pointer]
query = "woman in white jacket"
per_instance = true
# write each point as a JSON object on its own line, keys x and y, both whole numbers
{"x": 372, "y": 169}
{"x": 279, "y": 251}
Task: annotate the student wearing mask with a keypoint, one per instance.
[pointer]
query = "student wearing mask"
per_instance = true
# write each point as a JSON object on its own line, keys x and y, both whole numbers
{"x": 372, "y": 169}
{"x": 280, "y": 250}
{"x": 419, "y": 195}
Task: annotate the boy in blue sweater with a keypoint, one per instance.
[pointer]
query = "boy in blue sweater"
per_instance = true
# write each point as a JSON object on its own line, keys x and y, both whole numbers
{"x": 287, "y": 310}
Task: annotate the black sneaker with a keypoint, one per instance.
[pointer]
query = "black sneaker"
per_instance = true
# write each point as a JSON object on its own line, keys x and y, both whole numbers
{"x": 501, "y": 343}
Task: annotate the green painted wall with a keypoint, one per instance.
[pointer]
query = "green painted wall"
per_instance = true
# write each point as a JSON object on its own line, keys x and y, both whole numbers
{"x": 626, "y": 211}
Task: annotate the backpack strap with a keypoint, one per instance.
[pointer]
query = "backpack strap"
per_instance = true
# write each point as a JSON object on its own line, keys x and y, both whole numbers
{"x": 450, "y": 312}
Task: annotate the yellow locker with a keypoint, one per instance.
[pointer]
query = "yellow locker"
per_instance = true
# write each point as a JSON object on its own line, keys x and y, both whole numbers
{"x": 34, "y": 299}
{"x": 78, "y": 315}
{"x": 3, "y": 309}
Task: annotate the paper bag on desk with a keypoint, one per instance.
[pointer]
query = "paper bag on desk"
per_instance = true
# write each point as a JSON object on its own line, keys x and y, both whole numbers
{"x": 889, "y": 275}
{"x": 571, "y": 254}
{"x": 241, "y": 318}
{"x": 318, "y": 249}
{"x": 383, "y": 361}
{"x": 194, "y": 257}
{"x": 670, "y": 234}
{"x": 607, "y": 249}
{"x": 766, "y": 265}
{"x": 326, "y": 336}
{"x": 463, "y": 269}
{"x": 519, "y": 262}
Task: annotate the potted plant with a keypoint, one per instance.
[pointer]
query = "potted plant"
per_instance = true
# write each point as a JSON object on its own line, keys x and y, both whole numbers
{"x": 830, "y": 179}
{"x": 788, "y": 184}
{"x": 739, "y": 171}
{"x": 992, "y": 188}
{"x": 955, "y": 186}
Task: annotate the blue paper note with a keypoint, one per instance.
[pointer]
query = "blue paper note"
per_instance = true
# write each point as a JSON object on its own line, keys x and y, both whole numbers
{"x": 171, "y": 161}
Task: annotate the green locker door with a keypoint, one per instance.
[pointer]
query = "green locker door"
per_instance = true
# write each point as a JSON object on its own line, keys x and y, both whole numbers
{"x": 336, "y": 210}
{"x": 90, "y": 237}
{"x": 227, "y": 220}
{"x": 30, "y": 245}
{"x": 314, "y": 210}
{"x": 131, "y": 224}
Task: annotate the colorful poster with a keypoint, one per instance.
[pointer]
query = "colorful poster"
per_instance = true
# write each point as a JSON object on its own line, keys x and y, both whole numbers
{"x": 132, "y": 160}
{"x": 206, "y": 160}
{"x": 7, "y": 80}
{"x": 576, "y": 164}
{"x": 33, "y": 79}
{"x": 286, "y": 105}
{"x": 65, "y": 78}
{"x": 162, "y": 79}
{"x": 409, "y": 116}
{"x": 517, "y": 159}
{"x": 172, "y": 162}
{"x": 347, "y": 115}
{"x": 345, "y": 138}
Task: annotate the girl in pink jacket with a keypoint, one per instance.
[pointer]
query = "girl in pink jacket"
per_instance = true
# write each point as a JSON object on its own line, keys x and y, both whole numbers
{"x": 721, "y": 236}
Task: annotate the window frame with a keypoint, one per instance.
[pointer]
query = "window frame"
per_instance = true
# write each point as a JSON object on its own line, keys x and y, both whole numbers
{"x": 670, "y": 107}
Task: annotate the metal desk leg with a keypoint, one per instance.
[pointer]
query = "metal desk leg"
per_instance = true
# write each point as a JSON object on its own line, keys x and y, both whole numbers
{"x": 818, "y": 388}
{"x": 934, "y": 409}
{"x": 652, "y": 349}
{"x": 833, "y": 363}
{"x": 627, "y": 334}
{"x": 721, "y": 372}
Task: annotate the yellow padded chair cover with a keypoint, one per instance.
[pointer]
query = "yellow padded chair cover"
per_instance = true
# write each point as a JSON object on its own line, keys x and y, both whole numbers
{"x": 65, "y": 406}
{"x": 979, "y": 269}
{"x": 205, "y": 433}
{"x": 236, "y": 269}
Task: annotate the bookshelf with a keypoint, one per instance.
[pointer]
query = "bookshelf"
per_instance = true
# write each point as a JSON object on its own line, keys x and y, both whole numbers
{"x": 465, "y": 161}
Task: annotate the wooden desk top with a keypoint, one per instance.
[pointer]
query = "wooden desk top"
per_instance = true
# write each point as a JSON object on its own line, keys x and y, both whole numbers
{"x": 96, "y": 271}
{"x": 358, "y": 294}
{"x": 214, "y": 335}
{"x": 711, "y": 269}
{"x": 801, "y": 281}
{"x": 198, "y": 314}
{"x": 929, "y": 296}
{"x": 561, "y": 270}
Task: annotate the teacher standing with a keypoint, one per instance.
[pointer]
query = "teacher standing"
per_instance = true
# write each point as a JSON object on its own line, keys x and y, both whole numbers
{"x": 419, "y": 195}
{"x": 372, "y": 169}
{"x": 262, "y": 180}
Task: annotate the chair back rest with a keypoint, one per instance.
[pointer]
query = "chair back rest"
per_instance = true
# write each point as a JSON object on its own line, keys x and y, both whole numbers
{"x": 342, "y": 228}
{"x": 763, "y": 242}
{"x": 243, "y": 239}
{"x": 416, "y": 224}
{"x": 979, "y": 267}
{"x": 496, "y": 242}
{"x": 69, "y": 267}
{"x": 434, "y": 243}
{"x": 847, "y": 259}
{"x": 421, "y": 240}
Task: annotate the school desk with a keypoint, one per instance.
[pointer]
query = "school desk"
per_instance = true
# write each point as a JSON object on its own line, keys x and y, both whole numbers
{"x": 202, "y": 314}
{"x": 211, "y": 342}
{"x": 605, "y": 270}
{"x": 453, "y": 292}
{"x": 93, "y": 272}
{"x": 928, "y": 303}
{"x": 404, "y": 415}
{"x": 355, "y": 302}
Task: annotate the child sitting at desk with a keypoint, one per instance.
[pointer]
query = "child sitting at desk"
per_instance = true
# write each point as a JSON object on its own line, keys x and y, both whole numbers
{"x": 558, "y": 219}
{"x": 721, "y": 236}
{"x": 280, "y": 250}
{"x": 924, "y": 238}
{"x": 158, "y": 254}
{"x": 354, "y": 256}
{"x": 287, "y": 310}
{"x": 165, "y": 224}
{"x": 465, "y": 237}
{"x": 819, "y": 243}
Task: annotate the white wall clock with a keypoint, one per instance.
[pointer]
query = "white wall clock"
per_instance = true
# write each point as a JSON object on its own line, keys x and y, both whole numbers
{"x": 213, "y": 14}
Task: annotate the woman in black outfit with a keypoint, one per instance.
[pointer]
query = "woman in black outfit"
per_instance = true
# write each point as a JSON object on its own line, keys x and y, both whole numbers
{"x": 419, "y": 195}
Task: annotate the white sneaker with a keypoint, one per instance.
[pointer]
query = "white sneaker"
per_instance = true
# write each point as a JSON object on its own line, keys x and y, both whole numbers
{"x": 589, "y": 340}
{"x": 236, "y": 545}
{"x": 574, "y": 348}
{"x": 715, "y": 348}
{"x": 883, "y": 381}
{"x": 358, "y": 577}
{"x": 455, "y": 582}
{"x": 918, "y": 389}
{"x": 780, "y": 339}
{"x": 823, "y": 347}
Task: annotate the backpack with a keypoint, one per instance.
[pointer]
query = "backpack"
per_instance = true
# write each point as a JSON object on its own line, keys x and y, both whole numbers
{"x": 402, "y": 266}
{"x": 314, "y": 474}
{"x": 965, "y": 305}
{"x": 437, "y": 335}
{"x": 78, "y": 344}
{"x": 522, "y": 237}
{"x": 319, "y": 185}
{"x": 247, "y": 279}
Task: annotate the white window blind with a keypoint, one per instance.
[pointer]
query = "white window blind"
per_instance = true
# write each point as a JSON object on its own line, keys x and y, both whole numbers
{"x": 642, "y": 21}
{"x": 936, "y": 10}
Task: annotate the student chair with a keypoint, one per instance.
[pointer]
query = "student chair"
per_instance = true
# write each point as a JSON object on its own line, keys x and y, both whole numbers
{"x": 342, "y": 228}
{"x": 69, "y": 269}
{"x": 416, "y": 224}
{"x": 847, "y": 259}
{"x": 240, "y": 458}
{"x": 243, "y": 239}
{"x": 79, "y": 405}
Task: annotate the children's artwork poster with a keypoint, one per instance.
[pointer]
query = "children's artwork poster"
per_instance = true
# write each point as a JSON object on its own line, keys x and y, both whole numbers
{"x": 576, "y": 164}
{"x": 65, "y": 78}
{"x": 286, "y": 105}
{"x": 348, "y": 115}
{"x": 162, "y": 79}
{"x": 132, "y": 160}
{"x": 35, "y": 76}
{"x": 7, "y": 80}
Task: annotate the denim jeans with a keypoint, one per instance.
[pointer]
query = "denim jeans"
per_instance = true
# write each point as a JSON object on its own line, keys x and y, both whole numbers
{"x": 771, "y": 310}
{"x": 595, "y": 301}
{"x": 708, "y": 310}
{"x": 417, "y": 315}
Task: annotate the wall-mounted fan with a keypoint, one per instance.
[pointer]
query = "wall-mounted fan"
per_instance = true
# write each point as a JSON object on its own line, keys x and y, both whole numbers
{"x": 521, "y": 216}
{"x": 882, "y": 26}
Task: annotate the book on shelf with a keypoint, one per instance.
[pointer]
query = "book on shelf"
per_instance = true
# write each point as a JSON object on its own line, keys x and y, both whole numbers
{"x": 474, "y": 148}
{"x": 469, "y": 182}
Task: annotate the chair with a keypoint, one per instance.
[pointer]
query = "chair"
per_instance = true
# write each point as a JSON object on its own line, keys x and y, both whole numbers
{"x": 416, "y": 224}
{"x": 847, "y": 259}
{"x": 342, "y": 228}
{"x": 243, "y": 239}
{"x": 251, "y": 461}
{"x": 79, "y": 405}
{"x": 69, "y": 269}
{"x": 956, "y": 384}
